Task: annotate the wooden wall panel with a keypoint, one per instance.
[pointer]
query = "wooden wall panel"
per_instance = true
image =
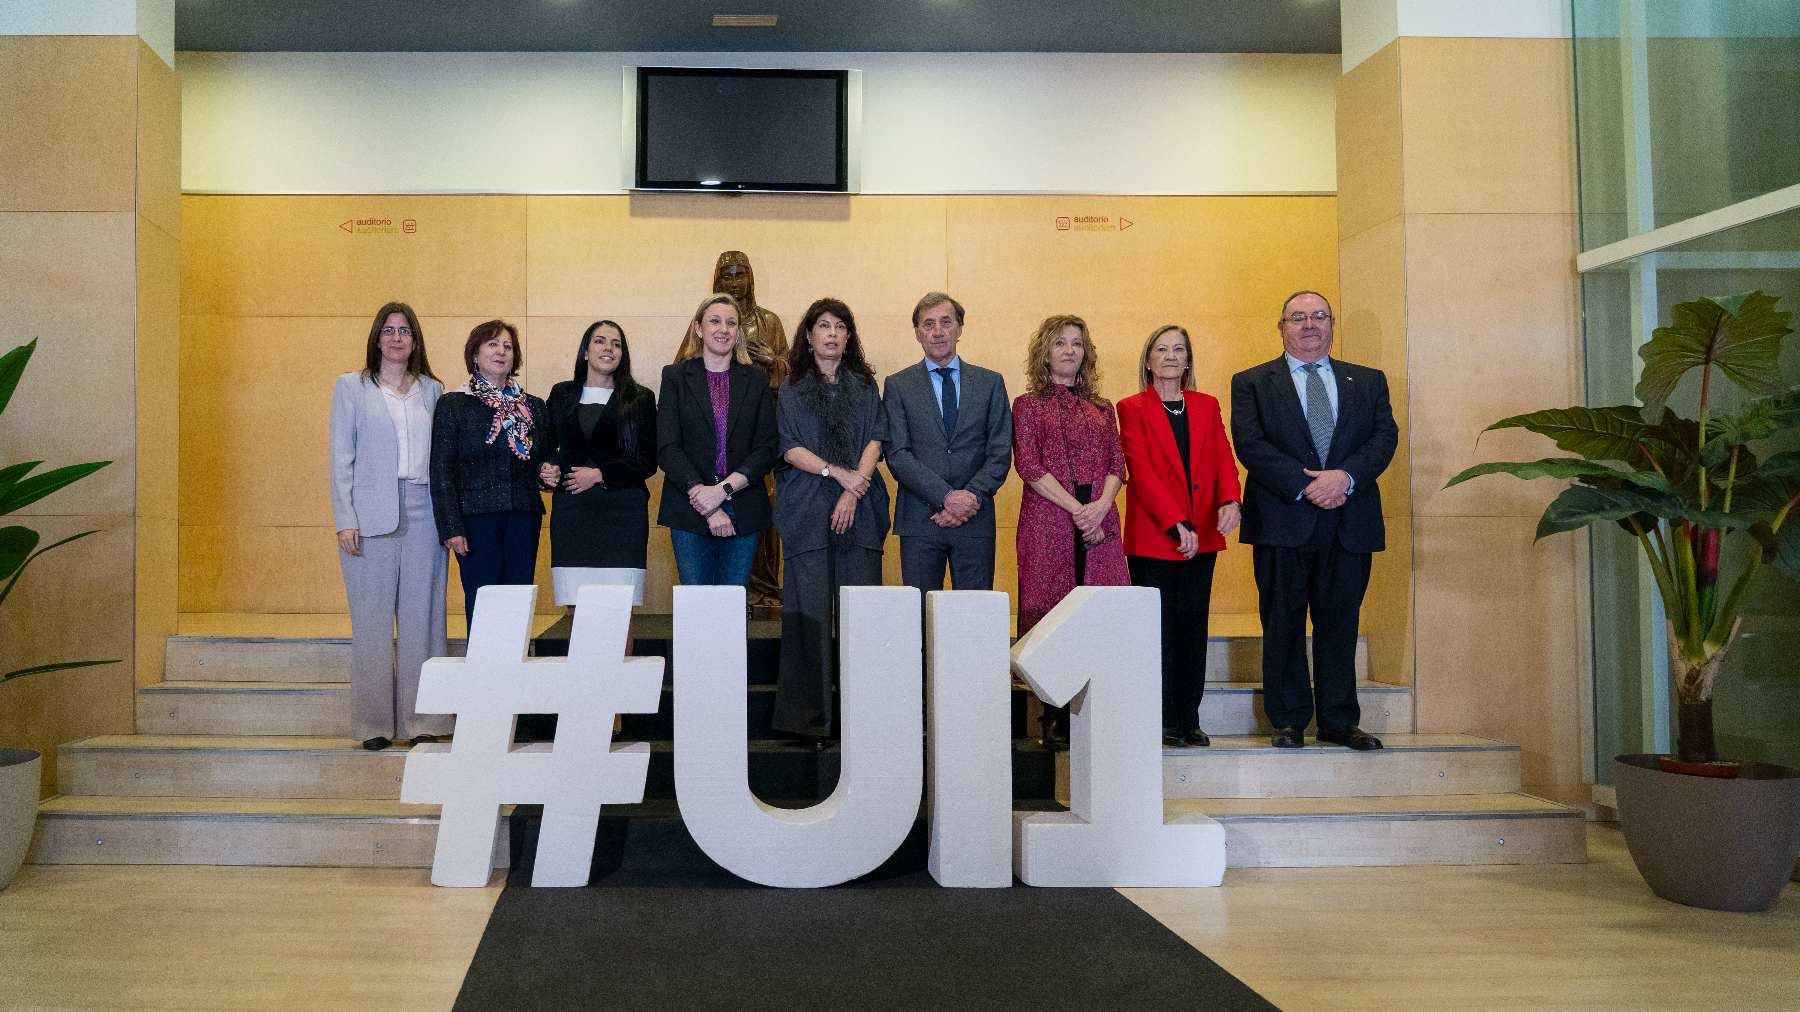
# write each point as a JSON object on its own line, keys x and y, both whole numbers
{"x": 653, "y": 254}
{"x": 304, "y": 256}
{"x": 267, "y": 328}
{"x": 69, "y": 123}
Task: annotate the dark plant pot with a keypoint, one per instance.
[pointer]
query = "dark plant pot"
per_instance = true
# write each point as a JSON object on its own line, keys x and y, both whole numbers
{"x": 18, "y": 808}
{"x": 1709, "y": 842}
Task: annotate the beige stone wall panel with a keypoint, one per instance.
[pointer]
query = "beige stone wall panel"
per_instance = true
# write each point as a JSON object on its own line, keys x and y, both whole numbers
{"x": 1487, "y": 125}
{"x": 70, "y": 112}
{"x": 67, "y": 279}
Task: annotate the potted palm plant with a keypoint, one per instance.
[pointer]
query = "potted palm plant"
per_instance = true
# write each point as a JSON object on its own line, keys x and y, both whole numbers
{"x": 1693, "y": 491}
{"x": 19, "y": 547}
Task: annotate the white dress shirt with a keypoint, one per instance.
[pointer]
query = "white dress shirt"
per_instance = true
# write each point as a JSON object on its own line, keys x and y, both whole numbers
{"x": 412, "y": 430}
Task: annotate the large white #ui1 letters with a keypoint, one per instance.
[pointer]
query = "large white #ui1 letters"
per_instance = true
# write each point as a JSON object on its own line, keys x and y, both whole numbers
{"x": 1091, "y": 650}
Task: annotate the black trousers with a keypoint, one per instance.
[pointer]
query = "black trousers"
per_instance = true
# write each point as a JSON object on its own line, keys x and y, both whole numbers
{"x": 1186, "y": 587}
{"x": 1322, "y": 578}
{"x": 502, "y": 549}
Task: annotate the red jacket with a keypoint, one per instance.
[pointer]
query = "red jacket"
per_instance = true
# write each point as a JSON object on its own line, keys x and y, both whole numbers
{"x": 1157, "y": 494}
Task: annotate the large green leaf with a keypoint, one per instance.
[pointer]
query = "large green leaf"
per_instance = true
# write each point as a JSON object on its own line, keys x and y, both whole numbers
{"x": 10, "y": 475}
{"x": 1787, "y": 550}
{"x": 16, "y": 544}
{"x": 1776, "y": 485}
{"x": 1563, "y": 467}
{"x": 10, "y": 584}
{"x": 1581, "y": 505}
{"x": 1740, "y": 335}
{"x": 1613, "y": 433}
{"x": 1760, "y": 419}
{"x": 44, "y": 668}
{"x": 36, "y": 487}
{"x": 12, "y": 366}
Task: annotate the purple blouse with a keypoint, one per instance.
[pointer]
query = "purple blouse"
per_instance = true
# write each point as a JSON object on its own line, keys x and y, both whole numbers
{"x": 718, "y": 386}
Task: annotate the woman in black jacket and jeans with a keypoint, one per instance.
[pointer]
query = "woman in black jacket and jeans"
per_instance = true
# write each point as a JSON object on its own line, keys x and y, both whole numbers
{"x": 490, "y": 462}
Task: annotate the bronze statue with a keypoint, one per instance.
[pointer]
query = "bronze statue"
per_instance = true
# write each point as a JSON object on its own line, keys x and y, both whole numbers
{"x": 768, "y": 345}
{"x": 763, "y": 333}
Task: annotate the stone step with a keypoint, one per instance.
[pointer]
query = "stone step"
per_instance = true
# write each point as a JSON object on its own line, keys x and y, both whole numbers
{"x": 295, "y": 767}
{"x": 238, "y": 831}
{"x": 327, "y": 659}
{"x": 1407, "y": 765}
{"x": 254, "y": 708}
{"x": 206, "y": 766}
{"x": 1235, "y": 708}
{"x": 1498, "y": 828}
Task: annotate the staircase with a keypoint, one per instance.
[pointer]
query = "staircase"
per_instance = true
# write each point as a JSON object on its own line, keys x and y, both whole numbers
{"x": 239, "y": 760}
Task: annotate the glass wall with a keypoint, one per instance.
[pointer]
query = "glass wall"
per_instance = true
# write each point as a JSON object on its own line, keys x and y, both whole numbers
{"x": 1685, "y": 108}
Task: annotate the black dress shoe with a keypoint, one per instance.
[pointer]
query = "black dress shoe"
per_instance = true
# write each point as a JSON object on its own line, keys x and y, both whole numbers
{"x": 1197, "y": 738}
{"x": 424, "y": 739}
{"x": 1351, "y": 737}
{"x": 1287, "y": 737}
{"x": 1173, "y": 740}
{"x": 376, "y": 744}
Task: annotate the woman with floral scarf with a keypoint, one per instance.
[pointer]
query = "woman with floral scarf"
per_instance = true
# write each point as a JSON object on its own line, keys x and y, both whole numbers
{"x": 490, "y": 465}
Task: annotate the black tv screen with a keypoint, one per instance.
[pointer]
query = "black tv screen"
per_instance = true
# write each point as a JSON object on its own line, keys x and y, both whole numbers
{"x": 710, "y": 129}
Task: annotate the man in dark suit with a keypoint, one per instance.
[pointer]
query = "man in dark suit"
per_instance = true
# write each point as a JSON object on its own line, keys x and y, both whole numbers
{"x": 949, "y": 445}
{"x": 1314, "y": 435}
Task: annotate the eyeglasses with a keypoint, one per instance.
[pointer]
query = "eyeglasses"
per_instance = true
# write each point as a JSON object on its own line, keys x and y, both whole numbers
{"x": 1317, "y": 316}
{"x": 396, "y": 331}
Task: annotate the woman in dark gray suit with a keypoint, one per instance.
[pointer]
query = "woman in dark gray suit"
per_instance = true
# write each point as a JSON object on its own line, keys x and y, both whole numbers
{"x": 830, "y": 506}
{"x": 394, "y": 568}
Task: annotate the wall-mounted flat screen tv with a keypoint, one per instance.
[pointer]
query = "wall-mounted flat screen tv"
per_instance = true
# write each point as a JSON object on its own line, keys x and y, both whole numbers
{"x": 736, "y": 130}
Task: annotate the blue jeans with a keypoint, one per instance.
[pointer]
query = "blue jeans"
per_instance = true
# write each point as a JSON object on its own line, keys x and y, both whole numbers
{"x": 703, "y": 560}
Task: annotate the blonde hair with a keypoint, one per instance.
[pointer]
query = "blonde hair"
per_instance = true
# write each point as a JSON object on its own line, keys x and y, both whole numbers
{"x": 1146, "y": 377}
{"x": 1037, "y": 360}
{"x": 691, "y": 345}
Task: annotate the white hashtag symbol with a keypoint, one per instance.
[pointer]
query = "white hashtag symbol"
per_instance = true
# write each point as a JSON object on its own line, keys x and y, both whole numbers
{"x": 481, "y": 770}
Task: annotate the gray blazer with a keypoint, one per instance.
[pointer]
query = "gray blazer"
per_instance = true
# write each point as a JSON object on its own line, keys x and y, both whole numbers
{"x": 365, "y": 455}
{"x": 976, "y": 457}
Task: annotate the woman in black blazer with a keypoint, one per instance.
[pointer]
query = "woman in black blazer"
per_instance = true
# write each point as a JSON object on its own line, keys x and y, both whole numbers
{"x": 602, "y": 428}
{"x": 489, "y": 464}
{"x": 715, "y": 439}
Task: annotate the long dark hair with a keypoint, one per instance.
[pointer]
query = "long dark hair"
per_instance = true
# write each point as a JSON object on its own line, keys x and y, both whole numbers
{"x": 417, "y": 363}
{"x": 627, "y": 386}
{"x": 800, "y": 353}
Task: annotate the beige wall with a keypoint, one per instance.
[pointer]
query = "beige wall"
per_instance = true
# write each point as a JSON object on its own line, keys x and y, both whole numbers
{"x": 277, "y": 298}
{"x": 1457, "y": 236}
{"x": 89, "y": 247}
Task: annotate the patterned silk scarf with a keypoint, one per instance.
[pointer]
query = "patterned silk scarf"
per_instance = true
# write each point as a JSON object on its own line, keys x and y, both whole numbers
{"x": 512, "y": 414}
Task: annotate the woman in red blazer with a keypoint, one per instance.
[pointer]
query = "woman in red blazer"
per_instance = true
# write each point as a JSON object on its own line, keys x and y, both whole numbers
{"x": 1181, "y": 499}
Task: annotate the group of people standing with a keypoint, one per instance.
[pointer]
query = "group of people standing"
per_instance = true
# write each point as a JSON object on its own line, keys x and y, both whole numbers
{"x": 416, "y": 470}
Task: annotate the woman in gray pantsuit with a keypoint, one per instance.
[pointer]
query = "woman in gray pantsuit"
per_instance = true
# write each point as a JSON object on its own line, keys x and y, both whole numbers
{"x": 395, "y": 568}
{"x": 830, "y": 507}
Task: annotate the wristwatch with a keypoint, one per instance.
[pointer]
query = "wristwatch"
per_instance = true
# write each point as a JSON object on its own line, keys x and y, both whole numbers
{"x": 825, "y": 472}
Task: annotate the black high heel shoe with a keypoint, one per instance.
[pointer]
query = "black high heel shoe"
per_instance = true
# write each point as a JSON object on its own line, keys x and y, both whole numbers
{"x": 377, "y": 743}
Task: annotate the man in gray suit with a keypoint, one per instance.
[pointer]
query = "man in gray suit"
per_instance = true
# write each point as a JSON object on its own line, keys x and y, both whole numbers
{"x": 949, "y": 445}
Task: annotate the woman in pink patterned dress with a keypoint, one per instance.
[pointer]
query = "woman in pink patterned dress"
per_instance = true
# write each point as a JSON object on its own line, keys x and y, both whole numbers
{"x": 1066, "y": 448}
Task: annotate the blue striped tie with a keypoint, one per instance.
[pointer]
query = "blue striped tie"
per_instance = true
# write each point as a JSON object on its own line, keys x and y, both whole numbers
{"x": 1318, "y": 411}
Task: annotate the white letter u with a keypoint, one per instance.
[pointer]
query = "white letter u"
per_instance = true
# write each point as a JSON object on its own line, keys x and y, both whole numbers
{"x": 876, "y": 801}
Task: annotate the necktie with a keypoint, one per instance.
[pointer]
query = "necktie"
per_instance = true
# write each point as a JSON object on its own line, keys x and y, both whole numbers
{"x": 1318, "y": 411}
{"x": 949, "y": 405}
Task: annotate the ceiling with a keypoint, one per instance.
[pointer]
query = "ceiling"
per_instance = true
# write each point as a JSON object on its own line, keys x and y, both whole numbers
{"x": 1088, "y": 26}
